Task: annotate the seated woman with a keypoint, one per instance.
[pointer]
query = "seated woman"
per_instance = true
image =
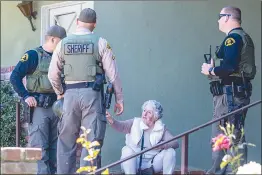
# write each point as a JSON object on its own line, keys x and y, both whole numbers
{"x": 148, "y": 131}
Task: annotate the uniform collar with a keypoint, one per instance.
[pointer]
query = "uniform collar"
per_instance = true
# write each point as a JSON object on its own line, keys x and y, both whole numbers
{"x": 238, "y": 28}
{"x": 50, "y": 53}
{"x": 82, "y": 30}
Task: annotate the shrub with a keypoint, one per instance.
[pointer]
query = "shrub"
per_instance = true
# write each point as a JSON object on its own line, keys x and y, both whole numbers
{"x": 8, "y": 116}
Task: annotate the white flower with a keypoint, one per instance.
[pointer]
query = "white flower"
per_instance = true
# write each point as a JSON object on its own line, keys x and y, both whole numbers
{"x": 250, "y": 168}
{"x": 226, "y": 158}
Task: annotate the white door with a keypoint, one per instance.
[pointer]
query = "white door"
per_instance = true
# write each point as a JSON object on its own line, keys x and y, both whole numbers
{"x": 63, "y": 14}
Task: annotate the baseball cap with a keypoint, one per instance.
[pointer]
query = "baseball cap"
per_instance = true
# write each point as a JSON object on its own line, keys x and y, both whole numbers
{"x": 56, "y": 31}
{"x": 87, "y": 15}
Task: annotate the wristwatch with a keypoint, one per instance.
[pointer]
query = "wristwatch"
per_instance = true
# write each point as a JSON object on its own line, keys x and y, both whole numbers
{"x": 210, "y": 70}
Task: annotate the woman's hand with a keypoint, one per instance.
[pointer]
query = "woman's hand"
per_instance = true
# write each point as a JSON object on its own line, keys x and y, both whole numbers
{"x": 109, "y": 118}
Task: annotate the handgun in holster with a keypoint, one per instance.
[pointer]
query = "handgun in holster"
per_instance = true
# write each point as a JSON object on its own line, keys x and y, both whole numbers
{"x": 28, "y": 112}
{"x": 99, "y": 82}
{"x": 108, "y": 95}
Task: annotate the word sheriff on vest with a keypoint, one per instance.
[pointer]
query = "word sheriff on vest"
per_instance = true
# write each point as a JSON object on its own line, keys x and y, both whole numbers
{"x": 79, "y": 48}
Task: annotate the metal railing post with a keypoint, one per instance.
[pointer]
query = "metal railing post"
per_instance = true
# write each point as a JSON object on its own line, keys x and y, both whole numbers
{"x": 17, "y": 134}
{"x": 184, "y": 155}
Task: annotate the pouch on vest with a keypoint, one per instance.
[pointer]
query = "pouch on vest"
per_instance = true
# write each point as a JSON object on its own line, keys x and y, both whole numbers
{"x": 216, "y": 88}
{"x": 31, "y": 84}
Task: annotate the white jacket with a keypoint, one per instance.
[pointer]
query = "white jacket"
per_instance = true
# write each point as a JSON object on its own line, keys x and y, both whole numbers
{"x": 133, "y": 138}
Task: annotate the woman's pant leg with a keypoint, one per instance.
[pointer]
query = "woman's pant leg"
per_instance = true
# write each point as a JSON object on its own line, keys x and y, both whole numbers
{"x": 128, "y": 166}
{"x": 165, "y": 161}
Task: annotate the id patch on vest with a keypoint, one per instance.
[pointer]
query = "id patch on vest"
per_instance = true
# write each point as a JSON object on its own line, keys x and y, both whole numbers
{"x": 77, "y": 48}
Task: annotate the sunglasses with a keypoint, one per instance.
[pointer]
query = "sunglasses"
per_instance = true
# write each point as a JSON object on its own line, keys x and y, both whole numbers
{"x": 221, "y": 15}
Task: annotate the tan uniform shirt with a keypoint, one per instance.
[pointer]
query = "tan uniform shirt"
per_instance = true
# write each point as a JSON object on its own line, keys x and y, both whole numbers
{"x": 108, "y": 61}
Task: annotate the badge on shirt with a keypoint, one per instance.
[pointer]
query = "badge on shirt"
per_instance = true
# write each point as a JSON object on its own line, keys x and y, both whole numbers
{"x": 24, "y": 58}
{"x": 229, "y": 41}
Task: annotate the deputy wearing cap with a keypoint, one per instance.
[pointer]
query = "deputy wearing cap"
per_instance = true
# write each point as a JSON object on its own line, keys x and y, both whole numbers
{"x": 82, "y": 59}
{"x": 39, "y": 95}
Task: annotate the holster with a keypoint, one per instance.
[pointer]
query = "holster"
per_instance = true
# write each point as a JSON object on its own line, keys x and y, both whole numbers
{"x": 216, "y": 88}
{"x": 108, "y": 96}
{"x": 45, "y": 100}
{"x": 99, "y": 82}
{"x": 28, "y": 112}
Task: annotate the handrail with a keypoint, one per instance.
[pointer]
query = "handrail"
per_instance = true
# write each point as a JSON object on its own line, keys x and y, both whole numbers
{"x": 184, "y": 134}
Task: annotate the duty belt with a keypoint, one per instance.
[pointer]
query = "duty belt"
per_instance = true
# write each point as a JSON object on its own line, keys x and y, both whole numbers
{"x": 218, "y": 89}
{"x": 44, "y": 100}
{"x": 80, "y": 85}
{"x": 228, "y": 89}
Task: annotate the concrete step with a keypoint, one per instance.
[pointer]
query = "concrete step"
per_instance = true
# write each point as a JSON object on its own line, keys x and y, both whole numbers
{"x": 176, "y": 172}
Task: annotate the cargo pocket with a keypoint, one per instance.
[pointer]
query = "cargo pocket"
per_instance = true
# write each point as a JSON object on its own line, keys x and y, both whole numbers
{"x": 35, "y": 137}
{"x": 100, "y": 126}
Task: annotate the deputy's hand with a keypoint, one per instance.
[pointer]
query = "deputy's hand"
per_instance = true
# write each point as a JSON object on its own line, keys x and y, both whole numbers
{"x": 60, "y": 96}
{"x": 109, "y": 118}
{"x": 119, "y": 107}
{"x": 31, "y": 101}
{"x": 205, "y": 68}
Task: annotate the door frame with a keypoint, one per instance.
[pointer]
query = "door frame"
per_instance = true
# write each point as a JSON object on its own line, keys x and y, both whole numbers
{"x": 45, "y": 15}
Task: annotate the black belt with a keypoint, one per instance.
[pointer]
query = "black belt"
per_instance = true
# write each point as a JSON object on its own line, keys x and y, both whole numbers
{"x": 236, "y": 80}
{"x": 80, "y": 85}
{"x": 228, "y": 89}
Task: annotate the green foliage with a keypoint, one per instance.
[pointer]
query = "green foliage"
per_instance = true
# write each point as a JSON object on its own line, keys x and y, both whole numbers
{"x": 8, "y": 116}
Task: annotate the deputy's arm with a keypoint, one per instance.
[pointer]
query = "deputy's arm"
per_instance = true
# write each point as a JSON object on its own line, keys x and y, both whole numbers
{"x": 231, "y": 55}
{"x": 55, "y": 69}
{"x": 109, "y": 65}
{"x": 26, "y": 65}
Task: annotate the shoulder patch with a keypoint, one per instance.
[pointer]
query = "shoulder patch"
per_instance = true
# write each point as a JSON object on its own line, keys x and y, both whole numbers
{"x": 24, "y": 58}
{"x": 230, "y": 41}
{"x": 108, "y": 46}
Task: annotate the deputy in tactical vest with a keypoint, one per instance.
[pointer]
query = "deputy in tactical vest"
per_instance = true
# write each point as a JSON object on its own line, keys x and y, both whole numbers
{"x": 82, "y": 60}
{"x": 39, "y": 96}
{"x": 231, "y": 71}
